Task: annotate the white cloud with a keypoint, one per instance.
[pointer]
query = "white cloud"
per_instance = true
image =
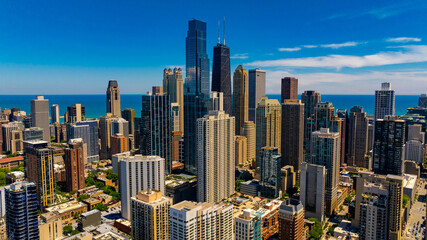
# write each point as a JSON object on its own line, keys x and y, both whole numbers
{"x": 344, "y": 83}
{"x": 294, "y": 49}
{"x": 411, "y": 54}
{"x": 340, "y": 45}
{"x": 403, "y": 39}
{"x": 310, "y": 46}
{"x": 240, "y": 56}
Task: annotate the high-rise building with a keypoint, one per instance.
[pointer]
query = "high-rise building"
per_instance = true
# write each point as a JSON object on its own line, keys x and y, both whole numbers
{"x": 196, "y": 88}
{"x": 325, "y": 151}
{"x": 175, "y": 117}
{"x": 215, "y": 156}
{"x": 121, "y": 126}
{"x": 422, "y": 101}
{"x": 150, "y": 215}
{"x": 88, "y": 131}
{"x": 190, "y": 220}
{"x": 248, "y": 225}
{"x": 129, "y": 115}
{"x": 342, "y": 115}
{"x": 40, "y": 115}
{"x": 74, "y": 159}
{"x": 414, "y": 150}
{"x": 119, "y": 144}
{"x": 289, "y": 88}
{"x": 105, "y": 128}
{"x": 378, "y": 206}
{"x": 292, "y": 133}
{"x": 291, "y": 220}
{"x": 173, "y": 85}
{"x": 249, "y": 131}
{"x": 21, "y": 211}
{"x": 416, "y": 132}
{"x": 50, "y": 226}
{"x": 16, "y": 141}
{"x": 33, "y": 133}
{"x": 357, "y": 138}
{"x": 240, "y": 97}
{"x": 54, "y": 113}
{"x": 270, "y": 172}
{"x": 310, "y": 100}
{"x": 197, "y": 61}
{"x": 241, "y": 151}
{"x": 384, "y": 101}
{"x": 138, "y": 173}
{"x": 156, "y": 127}
{"x": 221, "y": 73}
{"x": 113, "y": 98}
{"x": 217, "y": 101}
{"x": 389, "y": 146}
{"x": 312, "y": 194}
{"x": 40, "y": 170}
{"x": 7, "y": 134}
{"x": 76, "y": 113}
{"x": 268, "y": 124}
{"x": 256, "y": 90}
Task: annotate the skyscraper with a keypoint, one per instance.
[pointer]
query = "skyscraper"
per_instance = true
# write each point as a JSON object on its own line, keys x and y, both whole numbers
{"x": 173, "y": 85}
{"x": 249, "y": 131}
{"x": 270, "y": 172}
{"x": 119, "y": 144}
{"x": 241, "y": 151}
{"x": 120, "y": 125}
{"x": 312, "y": 194}
{"x": 129, "y": 115}
{"x": 196, "y": 88}
{"x": 384, "y": 101}
{"x": 190, "y": 220}
{"x": 422, "y": 101}
{"x": 289, "y": 88}
{"x": 240, "y": 97}
{"x": 256, "y": 90}
{"x": 291, "y": 220}
{"x": 325, "y": 151}
{"x": 197, "y": 61}
{"x": 221, "y": 73}
{"x": 75, "y": 165}
{"x": 156, "y": 129}
{"x": 378, "y": 206}
{"x": 342, "y": 115}
{"x": 357, "y": 138}
{"x": 248, "y": 225}
{"x": 215, "y": 157}
{"x": 113, "y": 98}
{"x": 54, "y": 113}
{"x": 310, "y": 100}
{"x": 217, "y": 101}
{"x": 21, "y": 211}
{"x": 388, "y": 149}
{"x": 268, "y": 124}
{"x": 88, "y": 131}
{"x": 41, "y": 171}
{"x": 76, "y": 113}
{"x": 150, "y": 215}
{"x": 40, "y": 115}
{"x": 292, "y": 133}
{"x": 138, "y": 173}
{"x": 105, "y": 128}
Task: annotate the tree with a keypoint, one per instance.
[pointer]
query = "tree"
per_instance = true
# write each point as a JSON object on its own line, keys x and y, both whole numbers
{"x": 405, "y": 200}
{"x": 99, "y": 185}
{"x": 317, "y": 232}
{"x": 237, "y": 184}
{"x": 347, "y": 200}
{"x": 113, "y": 176}
{"x": 82, "y": 197}
{"x": 89, "y": 181}
{"x": 67, "y": 229}
{"x": 101, "y": 207}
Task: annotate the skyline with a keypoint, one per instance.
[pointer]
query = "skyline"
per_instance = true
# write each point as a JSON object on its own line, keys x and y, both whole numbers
{"x": 55, "y": 48}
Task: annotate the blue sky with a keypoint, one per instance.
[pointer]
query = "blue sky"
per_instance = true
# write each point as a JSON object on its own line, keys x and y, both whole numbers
{"x": 335, "y": 47}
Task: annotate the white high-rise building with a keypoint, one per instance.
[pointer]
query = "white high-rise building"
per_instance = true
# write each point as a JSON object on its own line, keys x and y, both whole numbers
{"x": 139, "y": 173}
{"x": 190, "y": 220}
{"x": 384, "y": 101}
{"x": 414, "y": 151}
{"x": 40, "y": 115}
{"x": 215, "y": 156}
{"x": 54, "y": 112}
{"x": 217, "y": 101}
{"x": 248, "y": 225}
{"x": 312, "y": 194}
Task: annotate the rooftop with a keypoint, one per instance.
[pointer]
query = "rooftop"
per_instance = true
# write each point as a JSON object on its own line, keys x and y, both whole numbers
{"x": 12, "y": 159}
{"x": 65, "y": 207}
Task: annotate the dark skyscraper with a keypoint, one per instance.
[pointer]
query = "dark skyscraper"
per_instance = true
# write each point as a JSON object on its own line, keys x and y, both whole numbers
{"x": 196, "y": 88}
{"x": 197, "y": 61}
{"x": 289, "y": 88}
{"x": 221, "y": 78}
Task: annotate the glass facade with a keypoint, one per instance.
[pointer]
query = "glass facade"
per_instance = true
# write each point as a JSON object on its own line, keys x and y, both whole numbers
{"x": 221, "y": 77}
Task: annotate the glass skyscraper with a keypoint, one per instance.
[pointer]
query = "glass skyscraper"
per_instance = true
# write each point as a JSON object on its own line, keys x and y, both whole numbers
{"x": 196, "y": 88}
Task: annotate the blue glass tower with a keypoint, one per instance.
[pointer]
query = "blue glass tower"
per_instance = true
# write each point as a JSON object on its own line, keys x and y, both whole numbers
{"x": 196, "y": 88}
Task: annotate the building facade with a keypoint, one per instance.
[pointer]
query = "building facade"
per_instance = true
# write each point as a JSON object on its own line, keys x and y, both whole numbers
{"x": 289, "y": 89}
{"x": 384, "y": 101}
{"x": 312, "y": 193}
{"x": 221, "y": 74}
{"x": 113, "y": 99}
{"x": 74, "y": 159}
{"x": 268, "y": 124}
{"x": 256, "y": 90}
{"x": 291, "y": 220}
{"x": 240, "y": 97}
{"x": 40, "y": 115}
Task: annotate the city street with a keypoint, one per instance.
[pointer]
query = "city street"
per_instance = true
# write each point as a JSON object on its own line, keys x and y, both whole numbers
{"x": 415, "y": 228}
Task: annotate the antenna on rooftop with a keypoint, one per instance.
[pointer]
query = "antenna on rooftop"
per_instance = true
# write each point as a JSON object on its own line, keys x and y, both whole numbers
{"x": 224, "y": 32}
{"x": 219, "y": 35}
